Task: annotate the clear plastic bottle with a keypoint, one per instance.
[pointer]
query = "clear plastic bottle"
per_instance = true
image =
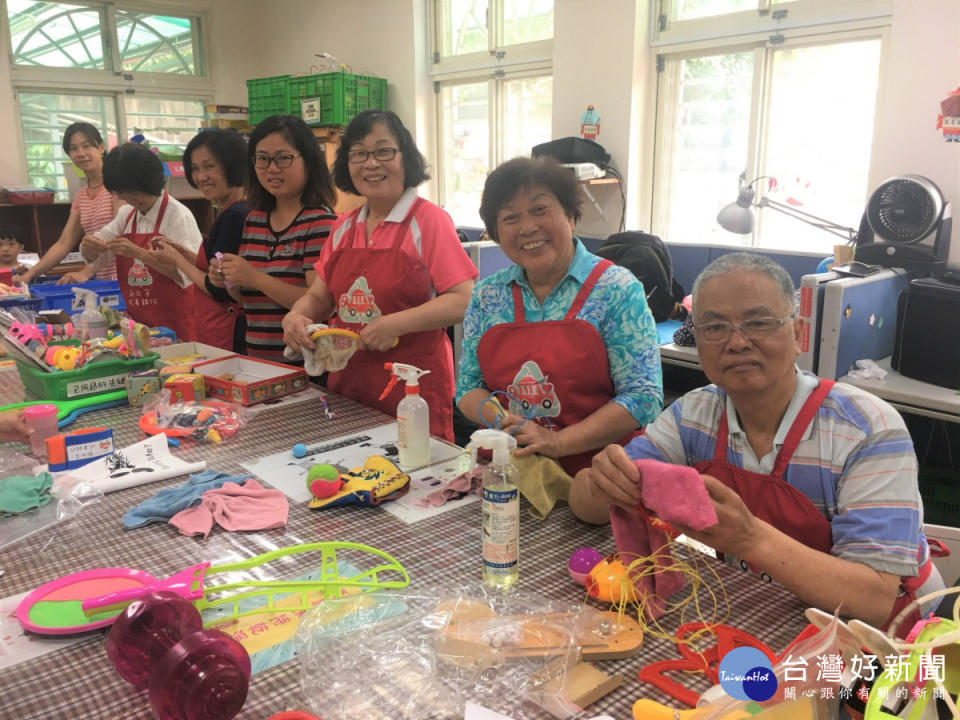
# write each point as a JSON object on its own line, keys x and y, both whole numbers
{"x": 91, "y": 323}
{"x": 413, "y": 428}
{"x": 501, "y": 515}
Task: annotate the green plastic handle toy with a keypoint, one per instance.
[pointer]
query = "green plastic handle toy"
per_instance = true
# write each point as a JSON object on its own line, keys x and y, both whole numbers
{"x": 68, "y": 410}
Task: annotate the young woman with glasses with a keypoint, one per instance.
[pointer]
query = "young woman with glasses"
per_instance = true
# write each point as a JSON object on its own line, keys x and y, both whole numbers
{"x": 216, "y": 162}
{"x": 291, "y": 199}
{"x": 393, "y": 271}
{"x": 93, "y": 206}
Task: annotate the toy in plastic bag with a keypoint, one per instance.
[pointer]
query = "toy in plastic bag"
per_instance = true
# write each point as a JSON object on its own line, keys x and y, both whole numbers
{"x": 414, "y": 657}
{"x": 206, "y": 420}
{"x": 377, "y": 480}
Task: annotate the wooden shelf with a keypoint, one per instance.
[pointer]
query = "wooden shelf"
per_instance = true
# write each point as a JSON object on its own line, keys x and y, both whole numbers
{"x": 600, "y": 181}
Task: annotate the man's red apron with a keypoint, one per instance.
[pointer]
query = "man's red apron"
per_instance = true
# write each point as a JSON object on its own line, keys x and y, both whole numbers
{"x": 152, "y": 298}
{"x": 777, "y": 502}
{"x": 214, "y": 321}
{"x": 556, "y": 368}
{"x": 367, "y": 283}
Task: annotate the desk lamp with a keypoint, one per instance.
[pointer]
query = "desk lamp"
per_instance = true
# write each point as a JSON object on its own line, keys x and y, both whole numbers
{"x": 739, "y": 216}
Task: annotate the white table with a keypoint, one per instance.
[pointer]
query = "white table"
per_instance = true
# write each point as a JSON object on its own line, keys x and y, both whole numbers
{"x": 909, "y": 395}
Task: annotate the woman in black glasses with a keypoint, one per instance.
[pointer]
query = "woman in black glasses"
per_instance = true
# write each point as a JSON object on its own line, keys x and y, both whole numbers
{"x": 393, "y": 271}
{"x": 290, "y": 197}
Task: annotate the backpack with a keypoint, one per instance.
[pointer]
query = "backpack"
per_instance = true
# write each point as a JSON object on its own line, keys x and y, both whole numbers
{"x": 647, "y": 257}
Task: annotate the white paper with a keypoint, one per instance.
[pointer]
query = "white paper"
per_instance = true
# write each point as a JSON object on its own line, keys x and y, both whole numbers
{"x": 472, "y": 711}
{"x": 145, "y": 462}
{"x": 289, "y": 474}
{"x": 16, "y": 645}
{"x": 425, "y": 481}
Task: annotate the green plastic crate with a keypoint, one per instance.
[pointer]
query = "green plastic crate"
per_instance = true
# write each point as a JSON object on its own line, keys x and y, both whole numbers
{"x": 95, "y": 378}
{"x": 268, "y": 96}
{"x": 940, "y": 490}
{"x": 342, "y": 95}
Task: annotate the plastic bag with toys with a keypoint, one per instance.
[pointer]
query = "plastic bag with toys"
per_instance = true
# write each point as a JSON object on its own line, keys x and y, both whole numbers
{"x": 203, "y": 421}
{"x": 418, "y": 657}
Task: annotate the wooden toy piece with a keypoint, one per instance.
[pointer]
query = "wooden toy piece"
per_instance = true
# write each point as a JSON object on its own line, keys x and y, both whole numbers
{"x": 474, "y": 635}
{"x": 581, "y": 684}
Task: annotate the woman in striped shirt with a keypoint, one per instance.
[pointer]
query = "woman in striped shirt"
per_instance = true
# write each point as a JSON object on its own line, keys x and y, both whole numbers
{"x": 290, "y": 197}
{"x": 92, "y": 208}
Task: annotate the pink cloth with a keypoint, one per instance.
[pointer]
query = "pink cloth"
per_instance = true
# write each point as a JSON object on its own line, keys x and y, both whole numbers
{"x": 462, "y": 484}
{"x": 676, "y": 494}
{"x": 234, "y": 507}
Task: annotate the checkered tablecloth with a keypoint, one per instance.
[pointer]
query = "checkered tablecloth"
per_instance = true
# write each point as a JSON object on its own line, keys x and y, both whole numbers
{"x": 78, "y": 682}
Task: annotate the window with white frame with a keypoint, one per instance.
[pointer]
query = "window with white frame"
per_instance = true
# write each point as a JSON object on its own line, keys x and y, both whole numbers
{"x": 126, "y": 68}
{"x": 785, "y": 91}
{"x": 494, "y": 86}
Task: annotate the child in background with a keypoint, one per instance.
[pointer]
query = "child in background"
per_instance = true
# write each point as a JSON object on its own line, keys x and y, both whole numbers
{"x": 11, "y": 245}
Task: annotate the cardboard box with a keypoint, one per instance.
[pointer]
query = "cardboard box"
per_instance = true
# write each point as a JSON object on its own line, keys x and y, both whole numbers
{"x": 188, "y": 353}
{"x": 248, "y": 381}
{"x": 185, "y": 387}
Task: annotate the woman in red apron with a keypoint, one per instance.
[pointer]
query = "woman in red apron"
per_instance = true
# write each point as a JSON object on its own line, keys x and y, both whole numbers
{"x": 554, "y": 374}
{"x": 155, "y": 292}
{"x": 214, "y": 161}
{"x": 393, "y": 271}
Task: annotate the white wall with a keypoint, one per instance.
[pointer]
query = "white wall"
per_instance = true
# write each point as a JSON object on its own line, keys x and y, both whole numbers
{"x": 922, "y": 66}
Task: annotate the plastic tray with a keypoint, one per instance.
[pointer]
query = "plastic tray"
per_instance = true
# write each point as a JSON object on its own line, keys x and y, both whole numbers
{"x": 940, "y": 490}
{"x": 96, "y": 378}
{"x": 61, "y": 297}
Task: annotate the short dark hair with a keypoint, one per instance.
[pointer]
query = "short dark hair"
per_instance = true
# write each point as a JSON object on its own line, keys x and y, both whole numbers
{"x": 131, "y": 167}
{"x": 89, "y": 132}
{"x": 227, "y": 147}
{"x": 11, "y": 231}
{"x": 523, "y": 172}
{"x": 318, "y": 192}
{"x": 414, "y": 164}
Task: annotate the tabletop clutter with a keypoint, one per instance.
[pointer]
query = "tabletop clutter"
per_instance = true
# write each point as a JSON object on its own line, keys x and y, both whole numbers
{"x": 425, "y": 651}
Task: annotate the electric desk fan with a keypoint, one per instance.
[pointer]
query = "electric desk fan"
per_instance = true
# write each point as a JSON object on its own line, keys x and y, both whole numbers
{"x": 906, "y": 225}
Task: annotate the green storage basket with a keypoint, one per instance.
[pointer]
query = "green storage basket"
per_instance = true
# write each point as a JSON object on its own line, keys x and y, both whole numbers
{"x": 268, "y": 96}
{"x": 341, "y": 95}
{"x": 940, "y": 490}
{"x": 93, "y": 379}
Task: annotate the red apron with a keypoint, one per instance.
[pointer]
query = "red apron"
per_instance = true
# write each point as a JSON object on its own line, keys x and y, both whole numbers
{"x": 777, "y": 502}
{"x": 214, "y": 321}
{"x": 557, "y": 367}
{"x": 369, "y": 282}
{"x": 152, "y": 298}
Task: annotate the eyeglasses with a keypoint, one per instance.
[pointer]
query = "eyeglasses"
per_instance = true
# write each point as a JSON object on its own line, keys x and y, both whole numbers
{"x": 717, "y": 332}
{"x": 381, "y": 154}
{"x": 281, "y": 160}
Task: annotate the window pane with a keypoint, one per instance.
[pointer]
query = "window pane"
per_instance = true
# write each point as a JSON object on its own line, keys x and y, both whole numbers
{"x": 466, "y": 149}
{"x": 47, "y": 34}
{"x": 528, "y": 114}
{"x": 818, "y": 145}
{"x": 164, "y": 123}
{"x": 463, "y": 27}
{"x": 156, "y": 43}
{"x": 707, "y": 144}
{"x": 527, "y": 21}
{"x": 44, "y": 118}
{"x": 691, "y": 9}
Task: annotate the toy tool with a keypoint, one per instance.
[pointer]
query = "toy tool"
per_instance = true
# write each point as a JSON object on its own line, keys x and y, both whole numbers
{"x": 92, "y": 599}
{"x": 70, "y": 410}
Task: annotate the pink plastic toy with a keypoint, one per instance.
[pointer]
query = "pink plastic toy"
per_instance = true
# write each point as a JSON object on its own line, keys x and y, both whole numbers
{"x": 582, "y": 562}
{"x": 192, "y": 674}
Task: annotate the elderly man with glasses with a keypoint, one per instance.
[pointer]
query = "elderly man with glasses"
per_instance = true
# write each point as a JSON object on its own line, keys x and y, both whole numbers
{"x": 814, "y": 483}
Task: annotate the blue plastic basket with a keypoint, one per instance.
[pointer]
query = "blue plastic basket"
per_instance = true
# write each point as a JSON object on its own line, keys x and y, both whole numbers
{"x": 29, "y": 305}
{"x": 61, "y": 297}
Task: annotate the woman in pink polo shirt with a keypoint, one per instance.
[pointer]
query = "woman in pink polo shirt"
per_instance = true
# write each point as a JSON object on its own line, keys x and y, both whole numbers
{"x": 393, "y": 271}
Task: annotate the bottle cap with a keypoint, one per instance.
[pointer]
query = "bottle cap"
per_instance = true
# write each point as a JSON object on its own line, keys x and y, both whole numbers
{"x": 36, "y": 412}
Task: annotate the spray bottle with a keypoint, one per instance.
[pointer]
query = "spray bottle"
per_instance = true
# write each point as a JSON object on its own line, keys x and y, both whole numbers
{"x": 501, "y": 509}
{"x": 91, "y": 323}
{"x": 413, "y": 416}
